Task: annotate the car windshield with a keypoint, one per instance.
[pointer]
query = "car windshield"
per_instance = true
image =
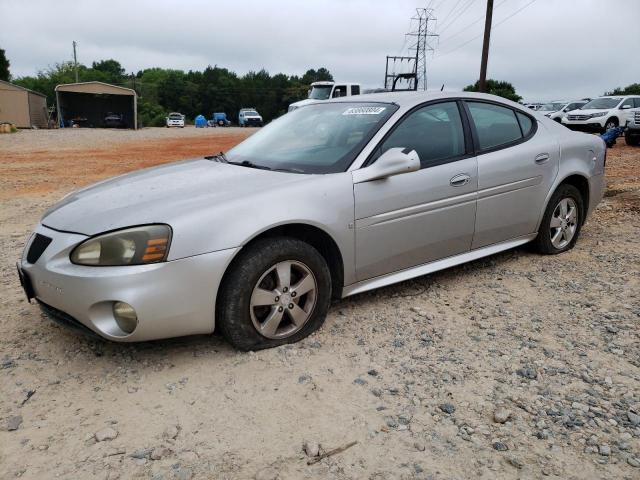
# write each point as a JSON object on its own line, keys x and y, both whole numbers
{"x": 320, "y": 92}
{"x": 551, "y": 107}
{"x": 175, "y": 116}
{"x": 251, "y": 113}
{"x": 322, "y": 138}
{"x": 601, "y": 103}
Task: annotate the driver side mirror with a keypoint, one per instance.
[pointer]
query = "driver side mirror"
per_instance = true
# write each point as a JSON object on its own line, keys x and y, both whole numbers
{"x": 394, "y": 161}
{"x": 625, "y": 107}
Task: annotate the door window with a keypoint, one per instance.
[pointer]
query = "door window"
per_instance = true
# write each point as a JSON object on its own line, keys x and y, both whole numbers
{"x": 355, "y": 89}
{"x": 495, "y": 125}
{"x": 340, "y": 91}
{"x": 627, "y": 103}
{"x": 636, "y": 102}
{"x": 435, "y": 132}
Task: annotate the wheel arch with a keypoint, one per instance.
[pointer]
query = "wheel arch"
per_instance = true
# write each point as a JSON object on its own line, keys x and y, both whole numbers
{"x": 579, "y": 181}
{"x": 612, "y": 117}
{"x": 314, "y": 236}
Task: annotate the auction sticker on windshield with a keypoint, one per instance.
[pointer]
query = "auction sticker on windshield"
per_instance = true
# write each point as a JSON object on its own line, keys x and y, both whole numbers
{"x": 364, "y": 111}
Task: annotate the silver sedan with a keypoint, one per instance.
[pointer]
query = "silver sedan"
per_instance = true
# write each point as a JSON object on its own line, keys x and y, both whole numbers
{"x": 330, "y": 200}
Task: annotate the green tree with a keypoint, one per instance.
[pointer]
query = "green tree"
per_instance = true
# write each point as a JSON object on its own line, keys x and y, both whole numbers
{"x": 497, "y": 87}
{"x": 633, "y": 89}
{"x": 160, "y": 90}
{"x": 111, "y": 69}
{"x": 4, "y": 67}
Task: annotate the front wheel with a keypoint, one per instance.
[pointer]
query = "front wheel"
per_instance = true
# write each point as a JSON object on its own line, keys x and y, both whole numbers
{"x": 277, "y": 291}
{"x": 630, "y": 139}
{"x": 562, "y": 220}
{"x": 611, "y": 123}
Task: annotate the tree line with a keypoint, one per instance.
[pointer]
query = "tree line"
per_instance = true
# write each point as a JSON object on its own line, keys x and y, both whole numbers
{"x": 191, "y": 93}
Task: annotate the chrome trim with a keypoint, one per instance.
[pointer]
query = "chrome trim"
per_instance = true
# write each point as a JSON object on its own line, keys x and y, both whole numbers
{"x": 413, "y": 272}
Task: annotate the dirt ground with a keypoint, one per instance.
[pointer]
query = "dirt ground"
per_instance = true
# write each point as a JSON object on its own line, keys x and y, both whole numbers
{"x": 513, "y": 366}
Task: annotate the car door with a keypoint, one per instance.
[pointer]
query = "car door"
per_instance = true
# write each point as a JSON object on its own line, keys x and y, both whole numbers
{"x": 422, "y": 216}
{"x": 517, "y": 163}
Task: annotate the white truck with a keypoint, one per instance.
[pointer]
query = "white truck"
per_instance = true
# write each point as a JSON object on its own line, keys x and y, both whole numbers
{"x": 632, "y": 134}
{"x": 327, "y": 90}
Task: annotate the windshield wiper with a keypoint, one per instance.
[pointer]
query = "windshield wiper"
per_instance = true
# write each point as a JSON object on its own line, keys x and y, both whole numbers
{"x": 218, "y": 157}
{"x": 248, "y": 164}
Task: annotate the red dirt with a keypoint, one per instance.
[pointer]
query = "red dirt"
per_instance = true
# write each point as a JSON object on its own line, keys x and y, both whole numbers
{"x": 44, "y": 171}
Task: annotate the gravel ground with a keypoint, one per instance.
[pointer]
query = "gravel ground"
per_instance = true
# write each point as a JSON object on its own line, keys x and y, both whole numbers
{"x": 513, "y": 366}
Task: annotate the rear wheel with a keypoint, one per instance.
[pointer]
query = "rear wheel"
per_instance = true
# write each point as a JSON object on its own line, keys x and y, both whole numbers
{"x": 277, "y": 291}
{"x": 562, "y": 220}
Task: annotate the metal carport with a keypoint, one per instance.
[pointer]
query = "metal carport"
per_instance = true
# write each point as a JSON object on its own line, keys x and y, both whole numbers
{"x": 90, "y": 102}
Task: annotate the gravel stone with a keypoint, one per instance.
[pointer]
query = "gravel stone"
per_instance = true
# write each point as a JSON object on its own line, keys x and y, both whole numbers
{"x": 106, "y": 434}
{"x": 447, "y": 408}
{"x": 501, "y": 415}
{"x": 14, "y": 422}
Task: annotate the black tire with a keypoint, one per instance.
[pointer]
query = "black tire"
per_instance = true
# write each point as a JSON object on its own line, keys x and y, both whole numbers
{"x": 632, "y": 140}
{"x": 610, "y": 123}
{"x": 233, "y": 316}
{"x": 543, "y": 243}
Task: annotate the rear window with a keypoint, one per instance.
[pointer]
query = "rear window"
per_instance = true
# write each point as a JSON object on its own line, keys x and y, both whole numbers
{"x": 495, "y": 125}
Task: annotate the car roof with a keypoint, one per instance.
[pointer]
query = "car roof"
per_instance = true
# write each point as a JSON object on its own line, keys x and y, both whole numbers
{"x": 412, "y": 98}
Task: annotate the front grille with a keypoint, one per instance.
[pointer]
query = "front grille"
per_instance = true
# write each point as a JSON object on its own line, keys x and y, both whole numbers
{"x": 636, "y": 117}
{"x": 37, "y": 248}
{"x": 579, "y": 117}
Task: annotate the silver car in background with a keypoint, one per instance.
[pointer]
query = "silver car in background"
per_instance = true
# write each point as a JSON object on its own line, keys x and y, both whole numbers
{"x": 330, "y": 200}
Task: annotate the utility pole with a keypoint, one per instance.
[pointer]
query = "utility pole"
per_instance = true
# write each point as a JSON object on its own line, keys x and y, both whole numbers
{"x": 75, "y": 60}
{"x": 482, "y": 83}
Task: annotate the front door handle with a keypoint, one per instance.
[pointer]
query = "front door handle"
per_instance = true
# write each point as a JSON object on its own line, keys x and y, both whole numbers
{"x": 542, "y": 158}
{"x": 459, "y": 180}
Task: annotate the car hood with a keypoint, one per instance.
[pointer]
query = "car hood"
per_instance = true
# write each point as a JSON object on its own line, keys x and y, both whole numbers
{"x": 159, "y": 195}
{"x": 589, "y": 111}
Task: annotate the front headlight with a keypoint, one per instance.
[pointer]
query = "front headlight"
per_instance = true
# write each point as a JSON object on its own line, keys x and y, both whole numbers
{"x": 599, "y": 114}
{"x": 130, "y": 246}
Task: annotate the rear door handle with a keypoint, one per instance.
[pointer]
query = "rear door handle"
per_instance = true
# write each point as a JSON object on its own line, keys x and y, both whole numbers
{"x": 542, "y": 158}
{"x": 459, "y": 180}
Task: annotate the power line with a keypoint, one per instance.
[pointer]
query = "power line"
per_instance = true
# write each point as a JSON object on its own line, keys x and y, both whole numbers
{"x": 462, "y": 10}
{"x": 463, "y": 30}
{"x": 478, "y": 36}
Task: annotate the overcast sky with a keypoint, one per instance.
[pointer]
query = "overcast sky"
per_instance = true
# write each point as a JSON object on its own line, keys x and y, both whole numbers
{"x": 550, "y": 49}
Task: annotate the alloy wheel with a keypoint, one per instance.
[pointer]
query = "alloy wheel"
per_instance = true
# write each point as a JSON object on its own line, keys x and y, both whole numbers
{"x": 283, "y": 299}
{"x": 564, "y": 223}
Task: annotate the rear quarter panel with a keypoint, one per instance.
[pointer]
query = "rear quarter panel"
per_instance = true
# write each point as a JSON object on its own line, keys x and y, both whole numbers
{"x": 580, "y": 154}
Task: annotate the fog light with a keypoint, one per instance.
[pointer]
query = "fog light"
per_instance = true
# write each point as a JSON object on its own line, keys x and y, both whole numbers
{"x": 125, "y": 316}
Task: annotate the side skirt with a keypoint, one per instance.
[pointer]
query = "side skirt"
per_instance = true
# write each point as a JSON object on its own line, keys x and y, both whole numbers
{"x": 413, "y": 272}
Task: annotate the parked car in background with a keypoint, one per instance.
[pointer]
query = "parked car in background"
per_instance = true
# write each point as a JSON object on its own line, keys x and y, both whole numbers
{"x": 114, "y": 120}
{"x": 220, "y": 119}
{"x": 175, "y": 119}
{"x": 249, "y": 117}
{"x": 326, "y": 90}
{"x": 330, "y": 200}
{"x": 556, "y": 110}
{"x": 632, "y": 134}
{"x": 602, "y": 114}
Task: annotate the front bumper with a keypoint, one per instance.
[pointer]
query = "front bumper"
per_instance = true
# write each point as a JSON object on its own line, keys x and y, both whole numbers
{"x": 591, "y": 125}
{"x": 171, "y": 299}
